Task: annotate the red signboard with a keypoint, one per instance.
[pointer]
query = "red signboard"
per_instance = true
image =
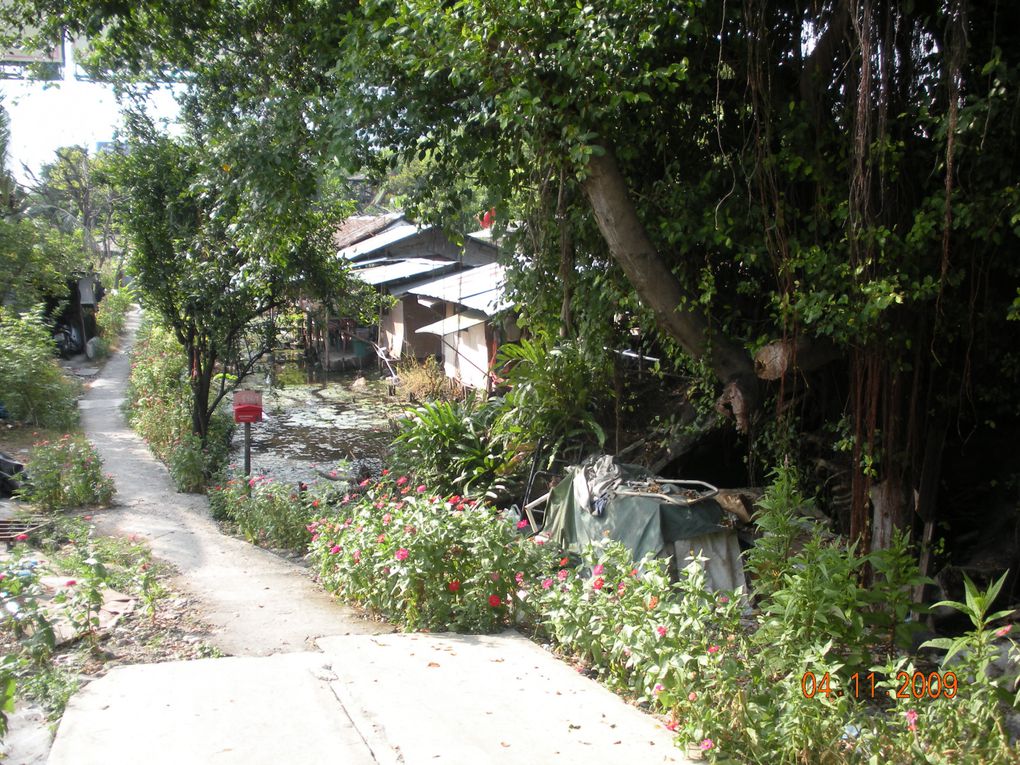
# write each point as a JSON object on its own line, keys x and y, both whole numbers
{"x": 247, "y": 406}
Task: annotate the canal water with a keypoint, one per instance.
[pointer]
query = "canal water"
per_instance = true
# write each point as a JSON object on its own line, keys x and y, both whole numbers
{"x": 318, "y": 423}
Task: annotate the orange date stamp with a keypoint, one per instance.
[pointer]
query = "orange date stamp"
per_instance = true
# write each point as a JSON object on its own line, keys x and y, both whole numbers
{"x": 916, "y": 685}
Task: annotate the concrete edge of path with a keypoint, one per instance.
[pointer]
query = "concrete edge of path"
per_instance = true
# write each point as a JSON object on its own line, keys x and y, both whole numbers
{"x": 426, "y": 698}
{"x": 250, "y": 710}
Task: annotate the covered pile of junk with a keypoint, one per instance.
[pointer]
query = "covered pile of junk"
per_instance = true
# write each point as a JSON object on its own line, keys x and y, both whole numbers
{"x": 679, "y": 519}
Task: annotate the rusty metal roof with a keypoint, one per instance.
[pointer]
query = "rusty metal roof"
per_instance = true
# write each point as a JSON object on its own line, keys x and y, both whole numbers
{"x": 357, "y": 228}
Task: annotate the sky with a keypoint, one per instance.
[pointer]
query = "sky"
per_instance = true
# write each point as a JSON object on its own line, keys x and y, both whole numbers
{"x": 68, "y": 112}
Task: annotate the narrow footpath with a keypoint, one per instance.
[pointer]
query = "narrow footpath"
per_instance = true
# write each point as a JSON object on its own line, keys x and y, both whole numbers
{"x": 307, "y": 680}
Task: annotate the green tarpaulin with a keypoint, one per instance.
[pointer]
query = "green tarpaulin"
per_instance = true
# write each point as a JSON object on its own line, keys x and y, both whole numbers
{"x": 644, "y": 524}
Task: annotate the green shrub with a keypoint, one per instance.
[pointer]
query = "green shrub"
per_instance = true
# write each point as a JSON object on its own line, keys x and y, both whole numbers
{"x": 33, "y": 388}
{"x": 449, "y": 445}
{"x": 159, "y": 409}
{"x": 425, "y": 562}
{"x": 66, "y": 473}
{"x": 111, "y": 313}
{"x": 266, "y": 512}
{"x": 482, "y": 446}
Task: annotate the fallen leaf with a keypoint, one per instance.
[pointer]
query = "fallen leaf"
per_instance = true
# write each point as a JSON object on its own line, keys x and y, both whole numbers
{"x": 433, "y": 664}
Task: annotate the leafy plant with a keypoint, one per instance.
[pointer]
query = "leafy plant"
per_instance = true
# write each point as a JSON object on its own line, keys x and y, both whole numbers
{"x": 32, "y": 386}
{"x": 450, "y": 445}
{"x": 66, "y": 473}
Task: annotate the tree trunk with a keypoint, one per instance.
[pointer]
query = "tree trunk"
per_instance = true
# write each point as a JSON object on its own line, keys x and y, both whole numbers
{"x": 781, "y": 357}
{"x": 662, "y": 292}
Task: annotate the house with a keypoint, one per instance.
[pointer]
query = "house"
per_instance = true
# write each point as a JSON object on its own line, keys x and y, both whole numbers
{"x": 467, "y": 301}
{"x": 393, "y": 255}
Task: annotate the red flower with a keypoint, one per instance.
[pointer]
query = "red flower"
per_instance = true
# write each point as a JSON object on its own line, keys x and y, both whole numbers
{"x": 402, "y": 480}
{"x": 421, "y": 489}
{"x": 713, "y": 649}
{"x": 495, "y": 601}
{"x": 402, "y": 553}
{"x": 522, "y": 524}
{"x": 21, "y": 538}
{"x": 599, "y": 583}
{"x": 661, "y": 631}
{"x": 315, "y": 503}
{"x": 70, "y": 583}
{"x": 453, "y": 586}
{"x": 385, "y": 471}
{"x": 564, "y": 561}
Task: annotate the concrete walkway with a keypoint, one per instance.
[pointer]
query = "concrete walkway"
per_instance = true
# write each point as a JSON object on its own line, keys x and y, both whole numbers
{"x": 309, "y": 681}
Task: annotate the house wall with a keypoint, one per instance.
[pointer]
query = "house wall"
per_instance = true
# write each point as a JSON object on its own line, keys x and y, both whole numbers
{"x": 391, "y": 329}
{"x": 417, "y": 316}
{"x": 466, "y": 357}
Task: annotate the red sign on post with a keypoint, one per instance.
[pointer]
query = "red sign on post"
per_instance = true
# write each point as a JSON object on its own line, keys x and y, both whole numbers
{"x": 247, "y": 406}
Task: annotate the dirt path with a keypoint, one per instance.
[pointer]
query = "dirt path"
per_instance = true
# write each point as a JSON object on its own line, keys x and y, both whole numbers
{"x": 256, "y": 602}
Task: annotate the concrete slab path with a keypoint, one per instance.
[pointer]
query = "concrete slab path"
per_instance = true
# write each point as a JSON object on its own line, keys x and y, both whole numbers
{"x": 366, "y": 696}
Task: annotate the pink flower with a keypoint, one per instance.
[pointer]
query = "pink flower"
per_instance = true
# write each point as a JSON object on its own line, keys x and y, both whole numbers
{"x": 364, "y": 483}
{"x": 380, "y": 539}
{"x": 621, "y": 588}
{"x": 724, "y": 600}
{"x": 522, "y": 524}
{"x": 546, "y": 583}
{"x": 659, "y": 688}
{"x": 21, "y": 538}
{"x": 494, "y": 576}
{"x": 598, "y": 569}
{"x": 538, "y": 541}
{"x": 402, "y": 554}
{"x": 402, "y": 480}
{"x": 692, "y": 696}
{"x": 332, "y": 474}
{"x": 672, "y": 725}
{"x": 86, "y": 517}
{"x": 599, "y": 583}
{"x": 707, "y": 744}
{"x": 495, "y": 601}
{"x": 713, "y": 649}
{"x": 661, "y": 631}
{"x": 911, "y": 720}
{"x": 519, "y": 577}
{"x": 387, "y": 519}
{"x": 70, "y": 583}
{"x": 357, "y": 556}
{"x": 334, "y": 550}
{"x": 421, "y": 489}
{"x": 1003, "y": 631}
{"x": 453, "y": 586}
{"x": 386, "y": 471}
{"x": 562, "y": 574}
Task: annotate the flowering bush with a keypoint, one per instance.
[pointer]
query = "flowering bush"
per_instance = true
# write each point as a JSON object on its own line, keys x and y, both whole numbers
{"x": 731, "y": 681}
{"x": 423, "y": 561}
{"x": 66, "y": 473}
{"x": 265, "y": 512}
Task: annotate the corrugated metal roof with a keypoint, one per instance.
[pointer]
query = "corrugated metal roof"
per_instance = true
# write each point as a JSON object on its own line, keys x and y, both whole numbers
{"x": 360, "y": 227}
{"x": 388, "y": 273}
{"x": 479, "y": 288}
{"x": 381, "y": 241}
{"x": 451, "y": 324}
